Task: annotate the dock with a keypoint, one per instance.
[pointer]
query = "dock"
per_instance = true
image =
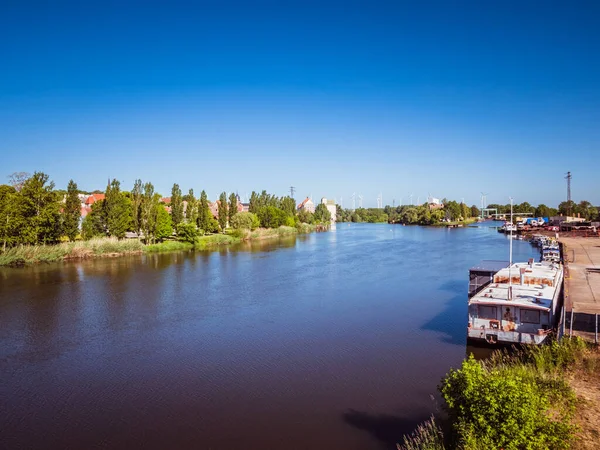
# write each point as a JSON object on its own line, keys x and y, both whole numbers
{"x": 582, "y": 286}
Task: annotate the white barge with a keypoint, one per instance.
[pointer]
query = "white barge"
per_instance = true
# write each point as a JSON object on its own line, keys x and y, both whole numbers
{"x": 515, "y": 304}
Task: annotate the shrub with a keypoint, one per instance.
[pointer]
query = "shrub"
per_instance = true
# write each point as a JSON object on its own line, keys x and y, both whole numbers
{"x": 271, "y": 217}
{"x": 245, "y": 221}
{"x": 505, "y": 406}
{"x": 187, "y": 232}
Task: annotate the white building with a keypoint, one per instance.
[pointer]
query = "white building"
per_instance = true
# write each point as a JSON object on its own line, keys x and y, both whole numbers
{"x": 307, "y": 205}
{"x": 330, "y": 204}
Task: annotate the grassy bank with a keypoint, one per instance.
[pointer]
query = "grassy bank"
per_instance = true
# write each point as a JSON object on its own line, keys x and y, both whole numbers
{"x": 24, "y": 255}
{"x": 528, "y": 399}
{"x": 31, "y": 254}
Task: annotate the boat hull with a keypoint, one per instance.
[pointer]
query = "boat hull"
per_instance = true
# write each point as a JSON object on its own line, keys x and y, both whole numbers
{"x": 492, "y": 336}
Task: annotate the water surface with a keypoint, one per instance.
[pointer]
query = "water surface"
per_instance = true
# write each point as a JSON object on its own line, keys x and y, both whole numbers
{"x": 332, "y": 340}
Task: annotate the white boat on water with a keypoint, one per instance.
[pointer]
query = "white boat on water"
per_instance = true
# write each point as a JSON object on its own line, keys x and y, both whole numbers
{"x": 517, "y": 304}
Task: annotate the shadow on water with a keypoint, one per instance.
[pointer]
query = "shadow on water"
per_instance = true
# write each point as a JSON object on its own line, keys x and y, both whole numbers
{"x": 387, "y": 429}
{"x": 452, "y": 320}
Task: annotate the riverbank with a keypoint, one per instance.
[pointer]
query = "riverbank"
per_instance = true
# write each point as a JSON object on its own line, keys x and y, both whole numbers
{"x": 543, "y": 397}
{"x": 112, "y": 247}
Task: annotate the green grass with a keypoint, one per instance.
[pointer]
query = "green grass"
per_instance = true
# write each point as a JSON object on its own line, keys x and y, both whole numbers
{"x": 104, "y": 246}
{"x": 32, "y": 254}
{"x": 168, "y": 246}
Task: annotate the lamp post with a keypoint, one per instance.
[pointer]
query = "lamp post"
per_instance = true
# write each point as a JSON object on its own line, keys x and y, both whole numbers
{"x": 510, "y": 245}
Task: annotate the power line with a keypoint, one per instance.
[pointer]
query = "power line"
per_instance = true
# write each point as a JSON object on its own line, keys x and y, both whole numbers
{"x": 568, "y": 178}
{"x": 292, "y": 191}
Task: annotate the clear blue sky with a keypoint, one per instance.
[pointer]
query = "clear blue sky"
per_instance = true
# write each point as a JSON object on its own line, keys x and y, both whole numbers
{"x": 448, "y": 98}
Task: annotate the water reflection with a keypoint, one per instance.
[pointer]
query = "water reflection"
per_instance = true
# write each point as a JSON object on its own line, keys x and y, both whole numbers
{"x": 169, "y": 350}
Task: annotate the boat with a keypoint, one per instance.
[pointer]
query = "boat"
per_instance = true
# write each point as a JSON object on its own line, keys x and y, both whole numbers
{"x": 516, "y": 305}
{"x": 550, "y": 254}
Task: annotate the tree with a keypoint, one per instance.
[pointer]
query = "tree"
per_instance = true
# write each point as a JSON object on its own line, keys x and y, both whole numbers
{"x": 567, "y": 208}
{"x": 222, "y": 210}
{"x": 117, "y": 210}
{"x": 245, "y": 221}
{"x": 322, "y": 214}
{"x": 586, "y": 210}
{"x": 204, "y": 214}
{"x": 164, "y": 224}
{"x": 40, "y": 211}
{"x": 233, "y": 206}
{"x": 8, "y": 215}
{"x": 253, "y": 206}
{"x": 288, "y": 204}
{"x": 271, "y": 217}
{"x": 542, "y": 211}
{"x": 94, "y": 224}
{"x": 71, "y": 212}
{"x": 148, "y": 215}
{"x": 136, "y": 200}
{"x": 187, "y": 232}
{"x": 191, "y": 212}
{"x": 176, "y": 205}
{"x": 306, "y": 216}
{"x": 475, "y": 211}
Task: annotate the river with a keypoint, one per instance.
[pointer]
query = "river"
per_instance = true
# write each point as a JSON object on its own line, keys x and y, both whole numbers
{"x": 331, "y": 340}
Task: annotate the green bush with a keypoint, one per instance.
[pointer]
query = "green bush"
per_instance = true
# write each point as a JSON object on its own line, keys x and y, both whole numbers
{"x": 187, "y": 232}
{"x": 271, "y": 217}
{"x": 245, "y": 221}
{"x": 508, "y": 406}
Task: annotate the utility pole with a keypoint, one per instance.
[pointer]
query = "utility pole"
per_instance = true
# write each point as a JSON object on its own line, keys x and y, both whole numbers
{"x": 510, "y": 252}
{"x": 568, "y": 178}
{"x": 292, "y": 191}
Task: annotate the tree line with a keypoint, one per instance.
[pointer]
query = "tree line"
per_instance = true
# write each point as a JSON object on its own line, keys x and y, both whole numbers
{"x": 455, "y": 211}
{"x": 33, "y": 212}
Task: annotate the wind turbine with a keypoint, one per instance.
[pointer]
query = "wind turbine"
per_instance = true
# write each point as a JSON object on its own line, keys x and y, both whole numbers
{"x": 483, "y": 198}
{"x": 360, "y": 199}
{"x": 353, "y": 201}
{"x": 410, "y": 195}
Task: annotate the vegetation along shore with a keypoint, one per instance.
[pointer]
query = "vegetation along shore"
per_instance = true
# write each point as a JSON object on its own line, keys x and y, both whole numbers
{"x": 538, "y": 397}
{"x": 39, "y": 223}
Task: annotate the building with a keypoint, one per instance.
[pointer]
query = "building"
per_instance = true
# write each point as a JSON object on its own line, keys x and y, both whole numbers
{"x": 330, "y": 204}
{"x": 93, "y": 199}
{"x": 307, "y": 205}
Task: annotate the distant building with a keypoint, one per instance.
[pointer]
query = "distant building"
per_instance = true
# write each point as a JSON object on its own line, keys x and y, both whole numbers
{"x": 330, "y": 204}
{"x": 242, "y": 207}
{"x": 307, "y": 205}
{"x": 94, "y": 198}
{"x": 434, "y": 203}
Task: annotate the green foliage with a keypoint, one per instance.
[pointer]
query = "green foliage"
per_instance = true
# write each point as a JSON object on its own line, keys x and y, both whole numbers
{"x": 38, "y": 211}
{"x": 233, "y": 206}
{"x": 117, "y": 210}
{"x": 8, "y": 216}
{"x": 306, "y": 216}
{"x": 164, "y": 224}
{"x": 187, "y": 232}
{"x": 322, "y": 214}
{"x": 191, "y": 212}
{"x": 94, "y": 224}
{"x": 136, "y": 206}
{"x": 204, "y": 215}
{"x": 245, "y": 221}
{"x": 515, "y": 401}
{"x": 271, "y": 217}
{"x": 288, "y": 204}
{"x": 176, "y": 205}
{"x": 71, "y": 212}
{"x": 428, "y": 436}
{"x": 168, "y": 246}
{"x": 222, "y": 210}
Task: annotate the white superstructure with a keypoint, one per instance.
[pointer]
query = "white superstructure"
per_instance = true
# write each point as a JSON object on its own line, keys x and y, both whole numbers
{"x": 518, "y": 306}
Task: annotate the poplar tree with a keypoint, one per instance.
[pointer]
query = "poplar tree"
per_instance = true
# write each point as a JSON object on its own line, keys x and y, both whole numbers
{"x": 191, "y": 212}
{"x": 222, "y": 210}
{"x": 117, "y": 210}
{"x": 176, "y": 205}
{"x": 71, "y": 212}
{"x": 147, "y": 216}
{"x": 136, "y": 199}
{"x": 233, "y": 207}
{"x": 204, "y": 213}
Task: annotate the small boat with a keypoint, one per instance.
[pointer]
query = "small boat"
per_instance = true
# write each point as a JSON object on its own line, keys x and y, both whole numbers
{"x": 550, "y": 254}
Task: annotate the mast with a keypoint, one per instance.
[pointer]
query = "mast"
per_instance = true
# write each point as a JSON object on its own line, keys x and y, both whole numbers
{"x": 510, "y": 245}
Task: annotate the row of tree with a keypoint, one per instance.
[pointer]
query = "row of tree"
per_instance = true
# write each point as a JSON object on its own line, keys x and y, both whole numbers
{"x": 455, "y": 211}
{"x": 32, "y": 211}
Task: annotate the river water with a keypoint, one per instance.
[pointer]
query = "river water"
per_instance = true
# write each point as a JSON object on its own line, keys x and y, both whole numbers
{"x": 332, "y": 340}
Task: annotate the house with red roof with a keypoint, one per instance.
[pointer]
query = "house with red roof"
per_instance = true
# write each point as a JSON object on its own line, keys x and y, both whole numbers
{"x": 307, "y": 205}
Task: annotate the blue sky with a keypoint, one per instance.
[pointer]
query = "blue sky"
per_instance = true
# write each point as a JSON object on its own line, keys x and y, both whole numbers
{"x": 448, "y": 98}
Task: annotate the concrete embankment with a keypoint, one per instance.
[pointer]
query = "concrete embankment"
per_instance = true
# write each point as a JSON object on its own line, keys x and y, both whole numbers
{"x": 582, "y": 286}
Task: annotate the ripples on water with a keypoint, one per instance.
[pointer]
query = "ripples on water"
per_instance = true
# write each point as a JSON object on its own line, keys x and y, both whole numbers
{"x": 332, "y": 340}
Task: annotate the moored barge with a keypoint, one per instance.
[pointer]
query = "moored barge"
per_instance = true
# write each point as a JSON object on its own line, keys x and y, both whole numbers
{"x": 517, "y": 304}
